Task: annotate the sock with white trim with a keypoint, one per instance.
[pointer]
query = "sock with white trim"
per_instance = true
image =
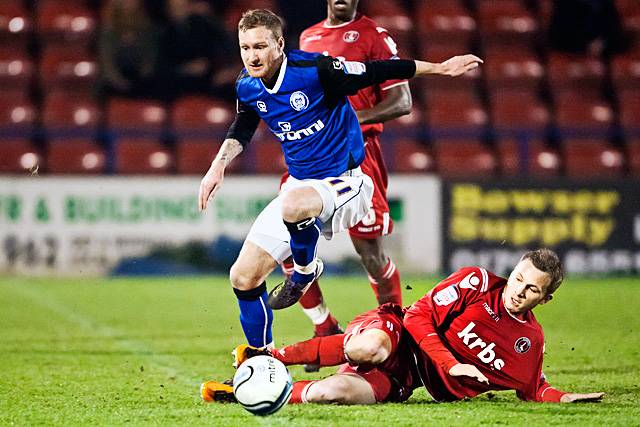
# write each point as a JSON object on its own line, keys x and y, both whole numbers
{"x": 304, "y": 243}
{"x": 387, "y": 288}
{"x": 256, "y": 316}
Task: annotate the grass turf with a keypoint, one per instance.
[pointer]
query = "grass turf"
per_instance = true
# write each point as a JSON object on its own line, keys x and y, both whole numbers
{"x": 134, "y": 351}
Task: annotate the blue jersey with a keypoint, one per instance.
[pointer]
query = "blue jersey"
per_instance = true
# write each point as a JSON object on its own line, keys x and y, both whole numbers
{"x": 308, "y": 111}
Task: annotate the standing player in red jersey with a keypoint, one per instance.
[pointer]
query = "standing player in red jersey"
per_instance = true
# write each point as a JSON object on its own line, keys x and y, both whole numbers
{"x": 472, "y": 333}
{"x": 350, "y": 36}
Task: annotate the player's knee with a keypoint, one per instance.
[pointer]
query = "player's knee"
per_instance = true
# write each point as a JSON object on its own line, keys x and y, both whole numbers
{"x": 242, "y": 280}
{"x": 292, "y": 209}
{"x": 370, "y": 348}
{"x": 338, "y": 391}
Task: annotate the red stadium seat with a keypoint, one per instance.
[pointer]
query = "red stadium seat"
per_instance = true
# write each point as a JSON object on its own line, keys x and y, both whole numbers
{"x": 509, "y": 68}
{"x": 16, "y": 113}
{"x": 583, "y": 109}
{"x": 16, "y": 69}
{"x": 625, "y": 71}
{"x": 464, "y": 159}
{"x": 201, "y": 114}
{"x": 15, "y": 24}
{"x": 394, "y": 17}
{"x": 194, "y": 156}
{"x": 143, "y": 156}
{"x": 441, "y": 52}
{"x": 266, "y": 157}
{"x": 629, "y": 11}
{"x": 592, "y": 158}
{"x": 518, "y": 109}
{"x": 444, "y": 21}
{"x": 410, "y": 156}
{"x": 506, "y": 22}
{"x": 409, "y": 123}
{"x": 136, "y": 115}
{"x": 629, "y": 109}
{"x": 541, "y": 161}
{"x": 63, "y": 110}
{"x": 633, "y": 157}
{"x": 67, "y": 22}
{"x": 459, "y": 109}
{"x": 19, "y": 156}
{"x": 69, "y": 69}
{"x": 75, "y": 156}
{"x": 575, "y": 72}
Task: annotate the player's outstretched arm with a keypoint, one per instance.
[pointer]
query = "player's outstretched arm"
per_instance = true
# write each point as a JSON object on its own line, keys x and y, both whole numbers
{"x": 212, "y": 181}
{"x": 581, "y": 397}
{"x": 451, "y": 67}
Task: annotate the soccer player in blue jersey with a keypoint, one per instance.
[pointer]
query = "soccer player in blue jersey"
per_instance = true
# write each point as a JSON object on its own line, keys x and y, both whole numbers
{"x": 302, "y": 97}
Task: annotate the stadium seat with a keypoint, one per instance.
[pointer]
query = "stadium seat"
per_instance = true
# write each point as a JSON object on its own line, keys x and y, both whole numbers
{"x": 19, "y": 156}
{"x": 73, "y": 70}
{"x": 136, "y": 116}
{"x": 463, "y": 159}
{"x": 575, "y": 72}
{"x": 583, "y": 109}
{"x": 455, "y": 109}
{"x": 633, "y": 156}
{"x": 625, "y": 71}
{"x": 201, "y": 115}
{"x": 441, "y": 52}
{"x": 592, "y": 158}
{"x": 394, "y": 17}
{"x": 629, "y": 11}
{"x": 404, "y": 125}
{"x": 17, "y": 115}
{"x": 539, "y": 160}
{"x": 68, "y": 23}
{"x": 518, "y": 109}
{"x": 506, "y": 22}
{"x": 75, "y": 156}
{"x": 411, "y": 156}
{"x": 64, "y": 111}
{"x": 143, "y": 156}
{"x": 444, "y": 21}
{"x": 265, "y": 157}
{"x": 16, "y": 69}
{"x": 629, "y": 102}
{"x": 509, "y": 68}
{"x": 194, "y": 156}
{"x": 15, "y": 24}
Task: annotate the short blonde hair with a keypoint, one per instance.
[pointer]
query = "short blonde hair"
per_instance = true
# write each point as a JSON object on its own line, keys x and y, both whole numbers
{"x": 254, "y": 18}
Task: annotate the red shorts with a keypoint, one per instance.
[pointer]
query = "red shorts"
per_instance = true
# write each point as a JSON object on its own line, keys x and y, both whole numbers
{"x": 378, "y": 221}
{"x": 390, "y": 381}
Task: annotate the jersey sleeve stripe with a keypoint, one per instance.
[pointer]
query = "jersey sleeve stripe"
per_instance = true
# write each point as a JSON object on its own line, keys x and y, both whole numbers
{"x": 394, "y": 85}
{"x": 485, "y": 280}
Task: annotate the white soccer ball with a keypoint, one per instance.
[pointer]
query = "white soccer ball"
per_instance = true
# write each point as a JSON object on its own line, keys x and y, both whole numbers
{"x": 262, "y": 385}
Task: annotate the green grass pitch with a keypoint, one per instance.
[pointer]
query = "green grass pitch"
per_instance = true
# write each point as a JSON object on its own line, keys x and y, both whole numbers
{"x": 134, "y": 351}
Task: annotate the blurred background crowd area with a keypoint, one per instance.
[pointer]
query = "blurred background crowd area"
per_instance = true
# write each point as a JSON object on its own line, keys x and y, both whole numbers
{"x": 146, "y": 87}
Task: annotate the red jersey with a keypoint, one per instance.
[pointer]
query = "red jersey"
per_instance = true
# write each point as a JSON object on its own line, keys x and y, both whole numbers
{"x": 463, "y": 320}
{"x": 359, "y": 40}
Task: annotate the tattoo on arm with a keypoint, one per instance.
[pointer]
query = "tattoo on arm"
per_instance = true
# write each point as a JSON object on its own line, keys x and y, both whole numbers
{"x": 228, "y": 151}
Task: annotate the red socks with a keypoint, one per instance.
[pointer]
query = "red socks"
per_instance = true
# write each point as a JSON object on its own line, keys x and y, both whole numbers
{"x": 299, "y": 392}
{"x": 387, "y": 288}
{"x": 323, "y": 351}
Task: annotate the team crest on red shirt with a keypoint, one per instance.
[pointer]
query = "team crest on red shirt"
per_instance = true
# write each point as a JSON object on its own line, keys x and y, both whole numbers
{"x": 350, "y": 36}
{"x": 522, "y": 345}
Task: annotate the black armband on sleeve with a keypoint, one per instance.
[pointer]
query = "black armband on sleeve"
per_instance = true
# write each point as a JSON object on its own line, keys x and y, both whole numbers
{"x": 347, "y": 78}
{"x": 244, "y": 126}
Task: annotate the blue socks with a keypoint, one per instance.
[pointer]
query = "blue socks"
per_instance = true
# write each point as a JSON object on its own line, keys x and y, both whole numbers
{"x": 256, "y": 316}
{"x": 304, "y": 243}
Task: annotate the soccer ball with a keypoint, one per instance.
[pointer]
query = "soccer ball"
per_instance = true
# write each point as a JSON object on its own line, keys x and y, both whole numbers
{"x": 262, "y": 385}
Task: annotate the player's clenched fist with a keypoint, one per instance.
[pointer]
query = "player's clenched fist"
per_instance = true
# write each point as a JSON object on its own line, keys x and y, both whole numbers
{"x": 209, "y": 185}
{"x": 464, "y": 370}
{"x": 460, "y": 65}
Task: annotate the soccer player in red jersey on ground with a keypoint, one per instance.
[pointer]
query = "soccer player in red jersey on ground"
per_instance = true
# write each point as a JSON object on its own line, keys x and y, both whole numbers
{"x": 472, "y": 333}
{"x": 348, "y": 35}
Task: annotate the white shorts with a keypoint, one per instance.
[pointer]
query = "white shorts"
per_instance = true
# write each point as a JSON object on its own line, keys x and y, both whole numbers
{"x": 345, "y": 201}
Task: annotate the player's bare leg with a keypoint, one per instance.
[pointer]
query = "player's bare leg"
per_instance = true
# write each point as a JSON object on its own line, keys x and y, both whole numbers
{"x": 383, "y": 274}
{"x": 345, "y": 389}
{"x": 372, "y": 346}
{"x": 247, "y": 276}
{"x": 301, "y": 207}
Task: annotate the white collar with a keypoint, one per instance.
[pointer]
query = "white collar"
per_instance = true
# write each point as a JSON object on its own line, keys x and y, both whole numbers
{"x": 326, "y": 25}
{"x": 276, "y": 87}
